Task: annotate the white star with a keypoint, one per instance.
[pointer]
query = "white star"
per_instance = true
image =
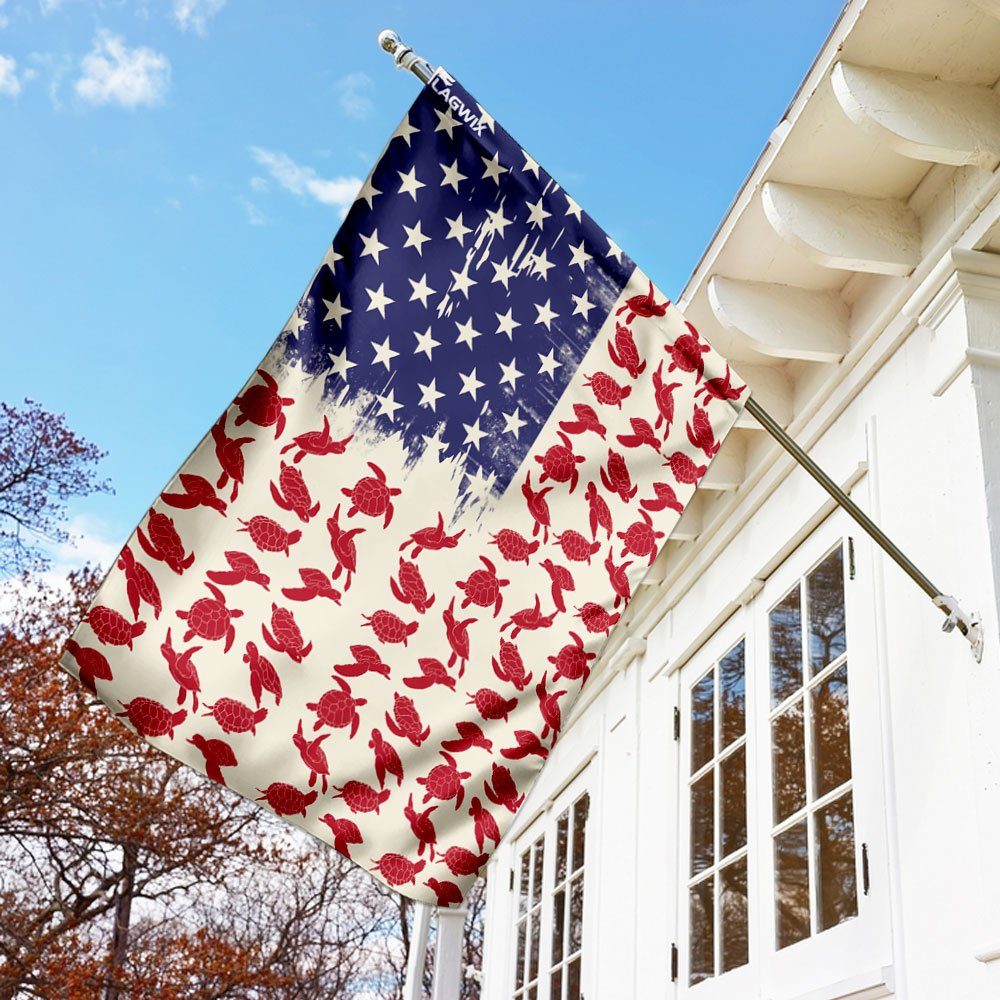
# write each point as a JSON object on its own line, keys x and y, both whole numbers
{"x": 486, "y": 117}
{"x": 479, "y": 485}
{"x": 510, "y": 373}
{"x": 335, "y": 310}
{"x": 493, "y": 169}
{"x": 425, "y": 343}
{"x": 452, "y": 175}
{"x": 372, "y": 245}
{"x": 538, "y": 214}
{"x": 457, "y": 229}
{"x": 387, "y": 405}
{"x": 429, "y": 395}
{"x": 614, "y": 250}
{"x": 541, "y": 264}
{"x": 462, "y": 282}
{"x": 466, "y": 333}
{"x": 368, "y": 192}
{"x": 340, "y": 365}
{"x": 549, "y": 364}
{"x": 384, "y": 354}
{"x": 470, "y": 384}
{"x": 421, "y": 290}
{"x": 404, "y": 131}
{"x": 572, "y": 208}
{"x": 530, "y": 165}
{"x": 434, "y": 444}
{"x": 513, "y": 422}
{"x": 580, "y": 256}
{"x": 379, "y": 300}
{"x": 296, "y": 322}
{"x": 506, "y": 323}
{"x": 409, "y": 183}
{"x": 545, "y": 314}
{"x": 415, "y": 238}
{"x": 331, "y": 257}
{"x": 497, "y": 221}
{"x": 446, "y": 123}
{"x": 503, "y": 272}
{"x": 473, "y": 434}
{"x": 583, "y": 305}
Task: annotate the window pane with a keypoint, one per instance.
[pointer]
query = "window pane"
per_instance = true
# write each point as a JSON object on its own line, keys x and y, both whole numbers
{"x": 791, "y": 872}
{"x": 536, "y": 875}
{"x": 533, "y": 956}
{"x": 555, "y": 993}
{"x": 519, "y": 979}
{"x": 732, "y": 774}
{"x": 732, "y": 672}
{"x": 562, "y": 836}
{"x": 522, "y": 903}
{"x": 831, "y": 733}
{"x": 785, "y": 630}
{"x": 789, "y": 759}
{"x": 702, "y": 722}
{"x": 835, "y": 863}
{"x": 581, "y": 809}
{"x": 558, "y": 923}
{"x": 576, "y": 915}
{"x": 702, "y": 923}
{"x": 573, "y": 981}
{"x": 703, "y": 823}
{"x": 825, "y": 594}
{"x": 733, "y": 916}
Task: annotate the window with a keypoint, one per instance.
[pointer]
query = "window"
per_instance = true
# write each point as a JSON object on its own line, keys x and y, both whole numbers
{"x": 776, "y": 819}
{"x": 549, "y": 916}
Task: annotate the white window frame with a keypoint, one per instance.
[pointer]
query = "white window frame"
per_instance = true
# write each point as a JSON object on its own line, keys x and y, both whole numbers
{"x": 545, "y": 825}
{"x": 862, "y": 943}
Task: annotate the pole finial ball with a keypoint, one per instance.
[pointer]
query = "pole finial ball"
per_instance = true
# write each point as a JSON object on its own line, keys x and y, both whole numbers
{"x": 388, "y": 40}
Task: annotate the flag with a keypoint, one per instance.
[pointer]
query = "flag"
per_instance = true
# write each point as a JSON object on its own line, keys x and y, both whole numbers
{"x": 371, "y": 595}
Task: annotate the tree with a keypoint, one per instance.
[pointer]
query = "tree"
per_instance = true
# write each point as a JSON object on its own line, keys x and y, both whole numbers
{"x": 43, "y": 465}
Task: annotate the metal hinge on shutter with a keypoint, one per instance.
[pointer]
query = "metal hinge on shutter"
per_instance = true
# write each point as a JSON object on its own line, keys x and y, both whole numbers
{"x": 850, "y": 558}
{"x": 674, "y": 962}
{"x": 866, "y": 884}
{"x": 511, "y": 886}
{"x": 677, "y": 723}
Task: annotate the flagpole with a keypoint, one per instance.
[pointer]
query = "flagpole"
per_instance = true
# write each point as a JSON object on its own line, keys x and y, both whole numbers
{"x": 968, "y": 624}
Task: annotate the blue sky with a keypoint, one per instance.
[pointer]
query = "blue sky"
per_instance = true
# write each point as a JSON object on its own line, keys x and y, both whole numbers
{"x": 173, "y": 171}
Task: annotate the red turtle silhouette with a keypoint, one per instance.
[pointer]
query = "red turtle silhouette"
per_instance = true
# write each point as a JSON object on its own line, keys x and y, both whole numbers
{"x": 641, "y": 538}
{"x": 217, "y": 753}
{"x": 315, "y": 583}
{"x": 510, "y": 667}
{"x": 606, "y": 390}
{"x": 642, "y": 434}
{"x": 292, "y": 494}
{"x": 457, "y": 634}
{"x": 139, "y": 584}
{"x": 422, "y": 826}
{"x": 235, "y": 717}
{"x": 645, "y": 306}
{"x": 408, "y": 587}
{"x": 345, "y": 832}
{"x": 92, "y": 664}
{"x": 398, "y": 870}
{"x": 262, "y": 404}
{"x": 618, "y": 577}
{"x": 360, "y": 797}
{"x": 528, "y": 619}
{"x": 197, "y": 492}
{"x": 686, "y": 353}
{"x": 337, "y": 708}
{"x": 469, "y": 736}
{"x": 616, "y": 478}
{"x": 112, "y": 628}
{"x": 700, "y": 433}
{"x": 490, "y": 704}
{"x": 344, "y": 551}
{"x": 366, "y": 660}
{"x": 501, "y": 789}
{"x": 163, "y": 543}
{"x": 405, "y": 721}
{"x": 572, "y": 661}
{"x": 284, "y": 635}
{"x": 575, "y": 547}
{"x": 445, "y": 781}
{"x": 624, "y": 352}
{"x": 562, "y": 580}
{"x": 432, "y": 539}
{"x": 229, "y": 454}
{"x": 389, "y": 628}
{"x": 484, "y": 824}
{"x": 559, "y": 463}
{"x": 461, "y": 861}
{"x": 538, "y": 508}
{"x": 448, "y": 894}
{"x": 242, "y": 568}
{"x": 595, "y": 619}
{"x": 150, "y": 719}
{"x": 386, "y": 759}
{"x": 371, "y": 495}
{"x": 513, "y": 546}
{"x": 684, "y": 469}
{"x": 664, "y": 497}
{"x": 483, "y": 587}
{"x": 600, "y": 513}
{"x": 285, "y": 799}
{"x": 313, "y": 756}
{"x": 548, "y": 706}
{"x": 663, "y": 396}
{"x": 268, "y": 535}
{"x": 432, "y": 671}
{"x": 263, "y": 676}
{"x": 183, "y": 671}
{"x": 586, "y": 420}
{"x": 528, "y": 745}
{"x": 316, "y": 443}
{"x": 720, "y": 388}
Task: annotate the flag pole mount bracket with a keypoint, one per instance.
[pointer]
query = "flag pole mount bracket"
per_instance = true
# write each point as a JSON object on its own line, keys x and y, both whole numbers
{"x": 404, "y": 56}
{"x": 968, "y": 624}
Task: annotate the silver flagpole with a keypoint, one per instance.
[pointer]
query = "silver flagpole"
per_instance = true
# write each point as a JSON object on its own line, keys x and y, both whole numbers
{"x": 968, "y": 624}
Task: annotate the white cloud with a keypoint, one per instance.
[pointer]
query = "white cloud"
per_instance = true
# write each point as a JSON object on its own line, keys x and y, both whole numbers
{"x": 49, "y": 6}
{"x": 10, "y": 83}
{"x": 254, "y": 215}
{"x": 194, "y": 15}
{"x": 336, "y": 191}
{"x": 259, "y": 184}
{"x": 353, "y": 90}
{"x": 115, "y": 74}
